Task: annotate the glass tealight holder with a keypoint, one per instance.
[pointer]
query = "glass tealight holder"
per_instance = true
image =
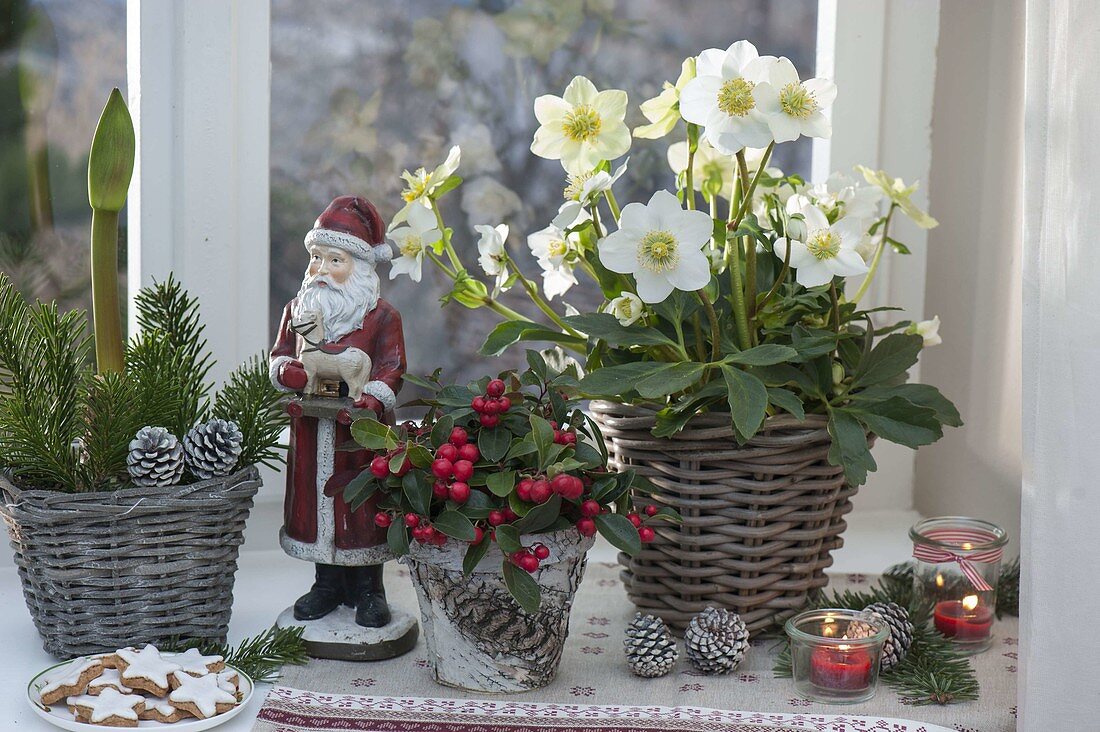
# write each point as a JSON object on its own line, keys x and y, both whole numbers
{"x": 835, "y": 654}
{"x": 958, "y": 563}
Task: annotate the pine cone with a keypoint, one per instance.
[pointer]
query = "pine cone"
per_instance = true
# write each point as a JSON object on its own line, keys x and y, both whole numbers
{"x": 155, "y": 459}
{"x": 211, "y": 450}
{"x": 650, "y": 648}
{"x": 901, "y": 632}
{"x": 716, "y": 640}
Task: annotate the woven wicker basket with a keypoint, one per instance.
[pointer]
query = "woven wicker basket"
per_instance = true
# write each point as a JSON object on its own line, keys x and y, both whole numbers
{"x": 139, "y": 565}
{"x": 760, "y": 520}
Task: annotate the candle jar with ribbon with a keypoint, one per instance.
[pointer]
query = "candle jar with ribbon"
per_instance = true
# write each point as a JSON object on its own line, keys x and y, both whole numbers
{"x": 958, "y": 562}
{"x": 835, "y": 654}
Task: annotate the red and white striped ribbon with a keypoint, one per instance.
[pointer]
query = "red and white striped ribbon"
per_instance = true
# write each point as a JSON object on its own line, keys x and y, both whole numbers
{"x": 965, "y": 558}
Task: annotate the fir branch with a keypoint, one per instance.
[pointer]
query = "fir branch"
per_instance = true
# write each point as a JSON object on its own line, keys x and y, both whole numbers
{"x": 167, "y": 309}
{"x": 249, "y": 399}
{"x": 261, "y": 656}
{"x": 1008, "y": 590}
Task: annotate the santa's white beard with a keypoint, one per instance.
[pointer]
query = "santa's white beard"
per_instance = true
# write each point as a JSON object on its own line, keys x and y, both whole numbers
{"x": 342, "y": 307}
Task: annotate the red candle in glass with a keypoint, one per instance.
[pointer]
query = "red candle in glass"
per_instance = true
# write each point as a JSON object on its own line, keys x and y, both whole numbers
{"x": 963, "y": 620}
{"x": 841, "y": 668}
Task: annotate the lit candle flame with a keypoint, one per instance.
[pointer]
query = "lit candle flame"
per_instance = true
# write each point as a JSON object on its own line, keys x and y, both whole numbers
{"x": 829, "y": 631}
{"x": 939, "y": 580}
{"x": 970, "y": 602}
{"x": 967, "y": 546}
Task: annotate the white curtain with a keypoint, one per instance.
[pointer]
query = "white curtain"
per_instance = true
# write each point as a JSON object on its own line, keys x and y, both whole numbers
{"x": 1061, "y": 368}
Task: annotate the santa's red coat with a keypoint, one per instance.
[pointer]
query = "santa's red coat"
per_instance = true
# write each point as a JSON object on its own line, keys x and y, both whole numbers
{"x": 381, "y": 338}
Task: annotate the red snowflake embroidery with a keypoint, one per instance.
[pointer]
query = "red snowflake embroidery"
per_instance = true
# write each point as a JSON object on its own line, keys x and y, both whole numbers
{"x": 595, "y": 620}
{"x": 360, "y": 683}
{"x": 595, "y": 650}
{"x": 595, "y": 634}
{"x": 421, "y": 663}
{"x": 691, "y": 687}
{"x": 582, "y": 691}
{"x": 1011, "y": 654}
{"x": 1010, "y": 641}
{"x": 910, "y": 701}
{"x": 1010, "y": 669}
{"x": 799, "y": 702}
{"x": 857, "y": 579}
{"x": 748, "y": 678}
{"x": 607, "y": 583}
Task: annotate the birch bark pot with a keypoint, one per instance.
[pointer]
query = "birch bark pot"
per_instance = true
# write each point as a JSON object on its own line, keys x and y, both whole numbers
{"x": 478, "y": 637}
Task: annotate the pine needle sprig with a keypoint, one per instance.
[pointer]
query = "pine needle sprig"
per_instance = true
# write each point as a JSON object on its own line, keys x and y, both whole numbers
{"x": 1008, "y": 590}
{"x": 249, "y": 399}
{"x": 261, "y": 656}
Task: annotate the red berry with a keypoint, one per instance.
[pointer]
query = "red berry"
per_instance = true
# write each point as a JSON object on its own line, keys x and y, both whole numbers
{"x": 504, "y": 404}
{"x": 458, "y": 437}
{"x": 479, "y": 534}
{"x": 523, "y": 489}
{"x": 469, "y": 452}
{"x": 382, "y": 520}
{"x": 587, "y": 527}
{"x": 412, "y": 520}
{"x": 558, "y": 440}
{"x": 447, "y": 451}
{"x": 568, "y": 486}
{"x": 496, "y": 518}
{"x": 590, "y": 508}
{"x": 442, "y": 468}
{"x": 439, "y": 490}
{"x": 560, "y": 482}
{"x": 478, "y": 404}
{"x": 495, "y": 388}
{"x": 493, "y": 406}
{"x": 541, "y": 552}
{"x": 489, "y": 420}
{"x": 529, "y": 563}
{"x": 646, "y": 534}
{"x": 570, "y": 438}
{"x": 541, "y": 491}
{"x": 553, "y": 424}
{"x": 463, "y": 470}
{"x": 650, "y": 510}
{"x": 418, "y": 532}
{"x": 460, "y": 492}
{"x": 380, "y": 467}
{"x": 509, "y": 514}
{"x": 635, "y": 519}
{"x": 438, "y": 538}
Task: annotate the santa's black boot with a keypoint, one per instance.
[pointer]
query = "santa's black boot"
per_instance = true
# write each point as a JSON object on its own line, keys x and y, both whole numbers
{"x": 366, "y": 592}
{"x": 325, "y": 596}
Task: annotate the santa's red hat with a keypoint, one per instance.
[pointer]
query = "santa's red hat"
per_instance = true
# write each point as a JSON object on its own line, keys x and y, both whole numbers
{"x": 352, "y": 223}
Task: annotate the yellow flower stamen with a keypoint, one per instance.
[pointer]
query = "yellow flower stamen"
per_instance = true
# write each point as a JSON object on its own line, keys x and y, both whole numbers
{"x": 572, "y": 191}
{"x": 582, "y": 124}
{"x": 658, "y": 252}
{"x": 735, "y": 97}
{"x": 418, "y": 185}
{"x": 823, "y": 244}
{"x": 411, "y": 246}
{"x": 557, "y": 248}
{"x": 797, "y": 101}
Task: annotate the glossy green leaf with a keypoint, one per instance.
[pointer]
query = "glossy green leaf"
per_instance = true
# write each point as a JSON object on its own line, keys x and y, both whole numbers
{"x": 508, "y": 538}
{"x": 441, "y": 430}
{"x": 899, "y": 421}
{"x": 493, "y": 443}
{"x": 522, "y": 587}
{"x": 606, "y": 327}
{"x": 455, "y": 525}
{"x": 501, "y": 483}
{"x": 786, "y": 400}
{"x": 748, "y": 400}
{"x": 891, "y": 357}
{"x": 541, "y": 516}
{"x": 849, "y": 447}
{"x": 474, "y": 555}
{"x": 397, "y": 537}
{"x": 618, "y": 530}
{"x": 670, "y": 379}
{"x": 765, "y": 355}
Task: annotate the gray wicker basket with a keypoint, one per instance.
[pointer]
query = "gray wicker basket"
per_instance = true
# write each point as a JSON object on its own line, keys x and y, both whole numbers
{"x": 760, "y": 520}
{"x": 139, "y": 565}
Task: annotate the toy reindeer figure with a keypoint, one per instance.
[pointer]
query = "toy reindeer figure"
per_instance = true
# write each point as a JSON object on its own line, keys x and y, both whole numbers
{"x": 342, "y": 348}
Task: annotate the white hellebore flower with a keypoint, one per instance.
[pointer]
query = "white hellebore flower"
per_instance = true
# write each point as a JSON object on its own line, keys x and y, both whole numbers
{"x": 722, "y": 99}
{"x": 411, "y": 241}
{"x": 551, "y": 247}
{"x": 663, "y": 110}
{"x": 422, "y": 184}
{"x": 828, "y": 250}
{"x": 581, "y": 128}
{"x": 661, "y": 244}
{"x": 627, "y": 308}
{"x": 490, "y": 249}
{"x": 927, "y": 329}
{"x": 792, "y": 107}
{"x": 582, "y": 191}
{"x": 707, "y": 165}
{"x": 900, "y": 194}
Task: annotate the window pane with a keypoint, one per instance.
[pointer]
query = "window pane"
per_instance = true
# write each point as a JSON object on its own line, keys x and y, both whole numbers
{"x": 361, "y": 91}
{"x": 59, "y": 60}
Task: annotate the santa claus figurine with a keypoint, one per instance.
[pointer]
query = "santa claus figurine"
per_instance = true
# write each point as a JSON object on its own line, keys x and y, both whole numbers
{"x": 338, "y": 316}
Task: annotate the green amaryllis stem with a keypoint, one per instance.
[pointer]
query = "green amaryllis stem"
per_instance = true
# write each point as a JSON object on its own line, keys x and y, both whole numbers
{"x": 451, "y": 253}
{"x": 612, "y": 203}
{"x": 689, "y": 187}
{"x": 106, "y": 313}
{"x": 877, "y": 257}
{"x": 712, "y": 316}
{"x": 110, "y": 166}
{"x": 746, "y": 200}
{"x": 750, "y": 244}
{"x": 533, "y": 293}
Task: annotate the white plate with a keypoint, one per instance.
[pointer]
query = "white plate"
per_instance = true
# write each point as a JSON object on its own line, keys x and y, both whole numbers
{"x": 59, "y": 715}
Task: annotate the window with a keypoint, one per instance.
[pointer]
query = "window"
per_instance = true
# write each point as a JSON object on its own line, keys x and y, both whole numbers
{"x": 60, "y": 60}
{"x": 360, "y": 91}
